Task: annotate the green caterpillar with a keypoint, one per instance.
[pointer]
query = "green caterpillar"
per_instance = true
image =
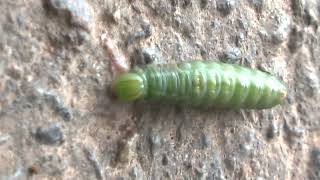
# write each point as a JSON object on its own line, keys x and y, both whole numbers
{"x": 202, "y": 83}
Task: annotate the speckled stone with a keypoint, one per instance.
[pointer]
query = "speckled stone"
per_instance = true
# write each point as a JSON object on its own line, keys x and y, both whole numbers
{"x": 49, "y": 135}
{"x": 60, "y": 121}
{"x": 77, "y": 12}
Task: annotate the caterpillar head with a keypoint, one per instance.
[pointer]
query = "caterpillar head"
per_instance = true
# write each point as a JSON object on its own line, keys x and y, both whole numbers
{"x": 129, "y": 87}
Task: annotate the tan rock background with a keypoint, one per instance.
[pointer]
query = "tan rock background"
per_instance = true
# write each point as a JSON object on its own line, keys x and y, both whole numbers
{"x": 59, "y": 121}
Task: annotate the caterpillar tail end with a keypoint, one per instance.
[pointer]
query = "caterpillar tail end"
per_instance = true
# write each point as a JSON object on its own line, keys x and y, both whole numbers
{"x": 283, "y": 94}
{"x": 128, "y": 87}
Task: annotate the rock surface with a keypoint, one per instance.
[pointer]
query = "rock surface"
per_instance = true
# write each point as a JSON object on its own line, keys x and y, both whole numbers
{"x": 60, "y": 121}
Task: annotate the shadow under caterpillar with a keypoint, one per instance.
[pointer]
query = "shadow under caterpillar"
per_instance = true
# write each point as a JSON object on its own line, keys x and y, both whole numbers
{"x": 202, "y": 83}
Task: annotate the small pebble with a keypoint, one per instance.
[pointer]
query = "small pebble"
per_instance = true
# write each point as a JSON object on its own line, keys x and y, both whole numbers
{"x": 4, "y": 138}
{"x": 233, "y": 54}
{"x": 116, "y": 16}
{"x": 77, "y": 12}
{"x": 240, "y": 39}
{"x": 49, "y": 135}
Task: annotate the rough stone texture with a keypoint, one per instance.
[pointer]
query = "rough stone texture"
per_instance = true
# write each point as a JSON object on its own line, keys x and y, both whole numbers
{"x": 55, "y": 70}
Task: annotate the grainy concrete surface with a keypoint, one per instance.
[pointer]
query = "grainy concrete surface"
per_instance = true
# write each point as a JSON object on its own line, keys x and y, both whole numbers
{"x": 59, "y": 121}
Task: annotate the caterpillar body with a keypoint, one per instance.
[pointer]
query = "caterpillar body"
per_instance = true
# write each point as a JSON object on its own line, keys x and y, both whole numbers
{"x": 202, "y": 83}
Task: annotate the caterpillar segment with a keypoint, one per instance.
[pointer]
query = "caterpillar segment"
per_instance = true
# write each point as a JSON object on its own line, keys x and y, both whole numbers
{"x": 202, "y": 83}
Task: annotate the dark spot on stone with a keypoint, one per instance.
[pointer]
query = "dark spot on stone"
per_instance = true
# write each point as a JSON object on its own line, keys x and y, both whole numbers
{"x": 229, "y": 163}
{"x": 15, "y": 72}
{"x": 187, "y": 165}
{"x": 188, "y": 29}
{"x": 297, "y": 7}
{"x": 272, "y": 131}
{"x": 122, "y": 155}
{"x": 155, "y": 142}
{"x": 65, "y": 113}
{"x": 164, "y": 160}
{"x": 295, "y": 39}
{"x": 315, "y": 157}
{"x": 215, "y": 24}
{"x": 49, "y": 135}
{"x": 80, "y": 37}
{"x": 257, "y": 4}
{"x": 34, "y": 169}
{"x": 151, "y": 55}
{"x": 204, "y": 141}
{"x": 145, "y": 32}
{"x": 315, "y": 164}
{"x": 310, "y": 17}
{"x": 135, "y": 37}
{"x": 57, "y": 104}
{"x": 186, "y": 3}
{"x": 294, "y": 134}
{"x": 226, "y": 6}
{"x": 147, "y": 28}
{"x": 147, "y": 56}
{"x": 174, "y": 3}
{"x": 203, "y": 52}
{"x": 203, "y": 3}
{"x": 166, "y": 174}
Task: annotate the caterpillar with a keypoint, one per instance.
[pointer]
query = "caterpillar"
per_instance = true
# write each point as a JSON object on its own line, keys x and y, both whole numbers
{"x": 202, "y": 83}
